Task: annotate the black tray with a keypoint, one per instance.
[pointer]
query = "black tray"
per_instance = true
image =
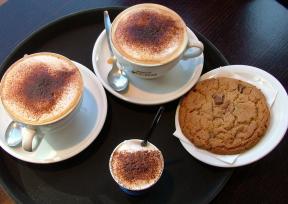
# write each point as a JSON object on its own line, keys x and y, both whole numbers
{"x": 85, "y": 178}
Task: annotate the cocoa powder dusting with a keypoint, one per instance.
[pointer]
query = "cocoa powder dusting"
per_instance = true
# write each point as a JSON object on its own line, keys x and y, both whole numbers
{"x": 135, "y": 166}
{"x": 148, "y": 29}
{"x": 40, "y": 90}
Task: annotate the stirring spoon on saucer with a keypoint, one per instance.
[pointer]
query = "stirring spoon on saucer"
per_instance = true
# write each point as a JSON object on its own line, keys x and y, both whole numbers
{"x": 117, "y": 77}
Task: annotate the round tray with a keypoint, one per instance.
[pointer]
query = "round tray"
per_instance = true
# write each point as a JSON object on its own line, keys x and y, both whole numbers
{"x": 85, "y": 178}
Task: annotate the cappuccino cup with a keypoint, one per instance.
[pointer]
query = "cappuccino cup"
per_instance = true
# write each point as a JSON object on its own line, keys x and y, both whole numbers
{"x": 42, "y": 92}
{"x": 136, "y": 168}
{"x": 148, "y": 40}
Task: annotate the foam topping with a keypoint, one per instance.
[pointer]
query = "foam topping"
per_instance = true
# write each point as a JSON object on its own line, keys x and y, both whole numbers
{"x": 41, "y": 88}
{"x": 136, "y": 167}
{"x": 149, "y": 34}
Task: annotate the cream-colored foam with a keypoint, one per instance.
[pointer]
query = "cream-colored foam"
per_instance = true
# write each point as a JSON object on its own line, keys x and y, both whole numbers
{"x": 134, "y": 145}
{"x": 16, "y": 73}
{"x": 139, "y": 55}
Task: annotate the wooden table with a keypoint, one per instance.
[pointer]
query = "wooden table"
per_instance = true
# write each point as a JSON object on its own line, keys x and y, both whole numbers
{"x": 246, "y": 32}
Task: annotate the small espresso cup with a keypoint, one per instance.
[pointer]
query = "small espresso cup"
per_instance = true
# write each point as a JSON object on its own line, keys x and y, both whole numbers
{"x": 190, "y": 47}
{"x": 42, "y": 93}
{"x": 130, "y": 158}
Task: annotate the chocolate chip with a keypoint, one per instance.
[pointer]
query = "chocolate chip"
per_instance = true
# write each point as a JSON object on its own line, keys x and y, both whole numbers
{"x": 241, "y": 88}
{"x": 218, "y": 99}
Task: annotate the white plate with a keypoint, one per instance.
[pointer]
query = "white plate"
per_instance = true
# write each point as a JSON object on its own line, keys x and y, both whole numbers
{"x": 79, "y": 133}
{"x": 153, "y": 91}
{"x": 276, "y": 130}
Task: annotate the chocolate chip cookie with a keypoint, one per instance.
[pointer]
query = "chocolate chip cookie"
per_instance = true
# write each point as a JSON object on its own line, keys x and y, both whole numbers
{"x": 224, "y": 115}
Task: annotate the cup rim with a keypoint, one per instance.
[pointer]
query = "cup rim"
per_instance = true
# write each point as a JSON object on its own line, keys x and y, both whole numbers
{"x": 120, "y": 184}
{"x": 180, "y": 52}
{"x": 50, "y": 122}
{"x": 71, "y": 108}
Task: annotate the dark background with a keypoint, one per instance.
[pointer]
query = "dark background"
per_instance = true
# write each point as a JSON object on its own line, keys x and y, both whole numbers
{"x": 246, "y": 32}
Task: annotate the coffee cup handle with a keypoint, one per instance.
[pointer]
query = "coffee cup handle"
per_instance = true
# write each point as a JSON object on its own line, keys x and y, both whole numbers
{"x": 193, "y": 44}
{"x": 28, "y": 134}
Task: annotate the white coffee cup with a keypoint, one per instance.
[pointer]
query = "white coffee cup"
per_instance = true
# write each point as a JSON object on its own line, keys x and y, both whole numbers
{"x": 42, "y": 93}
{"x": 139, "y": 186}
{"x": 154, "y": 70}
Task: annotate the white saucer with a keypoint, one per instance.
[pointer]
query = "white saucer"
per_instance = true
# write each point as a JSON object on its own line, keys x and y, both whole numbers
{"x": 79, "y": 133}
{"x": 277, "y": 127}
{"x": 153, "y": 91}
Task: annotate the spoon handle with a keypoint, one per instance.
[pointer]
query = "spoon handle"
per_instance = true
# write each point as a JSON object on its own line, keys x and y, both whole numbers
{"x": 153, "y": 125}
{"x": 107, "y": 24}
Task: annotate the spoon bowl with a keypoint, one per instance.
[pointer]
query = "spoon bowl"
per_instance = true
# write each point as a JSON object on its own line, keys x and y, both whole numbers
{"x": 13, "y": 135}
{"x": 117, "y": 77}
